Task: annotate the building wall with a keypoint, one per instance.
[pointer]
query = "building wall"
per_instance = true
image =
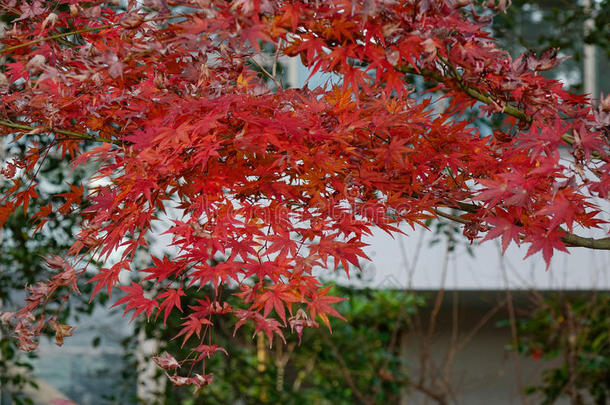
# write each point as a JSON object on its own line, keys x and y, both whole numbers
{"x": 484, "y": 369}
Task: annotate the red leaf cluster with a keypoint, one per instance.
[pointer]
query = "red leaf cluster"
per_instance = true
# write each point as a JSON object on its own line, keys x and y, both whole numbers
{"x": 182, "y": 119}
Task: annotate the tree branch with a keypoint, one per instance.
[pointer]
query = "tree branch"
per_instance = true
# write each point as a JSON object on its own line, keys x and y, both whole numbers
{"x": 569, "y": 239}
{"x": 506, "y": 107}
{"x": 266, "y": 73}
{"x": 471, "y": 91}
{"x": 56, "y": 36}
{"x": 85, "y": 137}
{"x": 454, "y": 218}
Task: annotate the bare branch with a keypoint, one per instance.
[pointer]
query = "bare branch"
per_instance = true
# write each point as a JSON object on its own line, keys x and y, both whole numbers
{"x": 29, "y": 128}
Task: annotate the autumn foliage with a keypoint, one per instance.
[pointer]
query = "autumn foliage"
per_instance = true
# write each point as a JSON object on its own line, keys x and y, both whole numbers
{"x": 179, "y": 107}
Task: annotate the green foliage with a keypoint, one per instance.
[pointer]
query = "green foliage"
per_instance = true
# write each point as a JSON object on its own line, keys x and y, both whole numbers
{"x": 562, "y": 22}
{"x": 574, "y": 331}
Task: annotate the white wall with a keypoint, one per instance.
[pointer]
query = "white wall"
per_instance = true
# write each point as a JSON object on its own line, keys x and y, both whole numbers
{"x": 410, "y": 262}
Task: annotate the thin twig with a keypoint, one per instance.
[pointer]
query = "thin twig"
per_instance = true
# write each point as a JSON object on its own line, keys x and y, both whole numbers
{"x": 275, "y": 57}
{"x": 451, "y": 217}
{"x": 29, "y": 128}
{"x": 513, "y": 327}
{"x": 345, "y": 370}
{"x": 269, "y": 75}
{"x": 425, "y": 350}
{"x": 453, "y": 347}
{"x": 56, "y": 36}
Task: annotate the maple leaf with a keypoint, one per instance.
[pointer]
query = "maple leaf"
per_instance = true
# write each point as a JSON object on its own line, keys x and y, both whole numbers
{"x": 162, "y": 269}
{"x": 320, "y": 305}
{"x": 308, "y": 48}
{"x": 24, "y": 197}
{"x": 394, "y": 81}
{"x": 42, "y": 215}
{"x": 16, "y": 71}
{"x": 561, "y": 209}
{"x": 104, "y": 200}
{"x": 209, "y": 350}
{"x": 75, "y": 196}
{"x": 547, "y": 60}
{"x": 290, "y": 16}
{"x": 5, "y": 211}
{"x": 172, "y": 299}
{"x": 136, "y": 301}
{"x": 61, "y": 331}
{"x": 166, "y": 361}
{"x": 107, "y": 278}
{"x": 591, "y": 142}
{"x": 547, "y": 243}
{"x": 191, "y": 326}
{"x": 503, "y": 227}
{"x": 253, "y": 34}
{"x": 271, "y": 269}
{"x": 115, "y": 66}
{"x": 206, "y": 307}
{"x": 284, "y": 244}
{"x": 300, "y": 321}
{"x": 268, "y": 326}
{"x": 197, "y": 380}
{"x": 275, "y": 297}
{"x": 31, "y": 10}
{"x": 219, "y": 274}
{"x": 494, "y": 192}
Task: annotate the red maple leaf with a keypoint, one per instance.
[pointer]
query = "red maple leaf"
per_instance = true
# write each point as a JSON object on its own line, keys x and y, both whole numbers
{"x": 136, "y": 301}
{"x": 191, "y": 326}
{"x": 546, "y": 242}
{"x": 320, "y": 304}
{"x": 107, "y": 278}
{"x": 503, "y": 227}
{"x": 172, "y": 299}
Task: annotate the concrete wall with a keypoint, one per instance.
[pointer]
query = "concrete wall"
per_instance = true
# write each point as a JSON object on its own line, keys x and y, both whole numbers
{"x": 484, "y": 371}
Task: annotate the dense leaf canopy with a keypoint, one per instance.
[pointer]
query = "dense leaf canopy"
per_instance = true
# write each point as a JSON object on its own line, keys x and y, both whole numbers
{"x": 180, "y": 107}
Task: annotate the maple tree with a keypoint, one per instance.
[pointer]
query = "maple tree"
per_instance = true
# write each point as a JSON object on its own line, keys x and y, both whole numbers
{"x": 259, "y": 184}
